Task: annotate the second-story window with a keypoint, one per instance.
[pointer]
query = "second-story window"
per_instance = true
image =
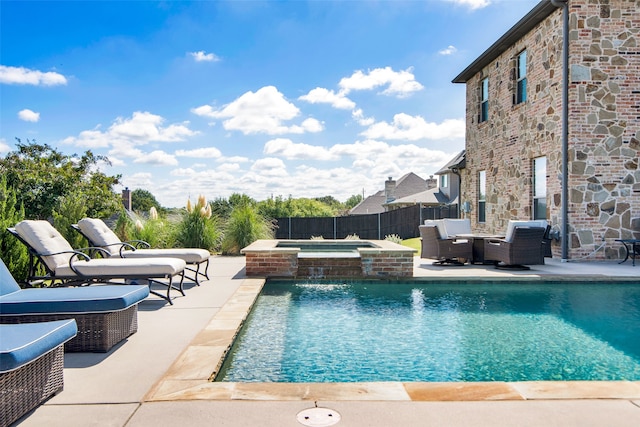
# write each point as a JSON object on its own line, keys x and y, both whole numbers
{"x": 521, "y": 78}
{"x": 444, "y": 181}
{"x": 484, "y": 100}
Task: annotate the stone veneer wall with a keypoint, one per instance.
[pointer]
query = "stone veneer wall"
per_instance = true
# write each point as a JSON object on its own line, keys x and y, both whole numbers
{"x": 604, "y": 99}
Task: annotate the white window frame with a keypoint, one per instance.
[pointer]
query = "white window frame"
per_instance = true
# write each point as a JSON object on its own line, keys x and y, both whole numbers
{"x": 539, "y": 200}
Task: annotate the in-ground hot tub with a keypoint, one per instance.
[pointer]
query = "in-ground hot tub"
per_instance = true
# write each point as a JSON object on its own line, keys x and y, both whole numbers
{"x": 328, "y": 258}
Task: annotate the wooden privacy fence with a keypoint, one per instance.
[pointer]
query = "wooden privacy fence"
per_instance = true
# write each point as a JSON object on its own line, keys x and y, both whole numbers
{"x": 403, "y": 222}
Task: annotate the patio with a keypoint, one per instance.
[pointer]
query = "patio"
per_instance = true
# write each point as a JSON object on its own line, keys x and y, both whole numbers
{"x": 155, "y": 377}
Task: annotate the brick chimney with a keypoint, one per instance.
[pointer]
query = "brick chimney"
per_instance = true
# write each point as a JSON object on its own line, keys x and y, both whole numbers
{"x": 126, "y": 198}
{"x": 389, "y": 190}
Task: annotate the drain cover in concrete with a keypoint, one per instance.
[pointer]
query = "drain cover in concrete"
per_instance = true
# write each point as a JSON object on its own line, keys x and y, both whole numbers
{"x": 318, "y": 417}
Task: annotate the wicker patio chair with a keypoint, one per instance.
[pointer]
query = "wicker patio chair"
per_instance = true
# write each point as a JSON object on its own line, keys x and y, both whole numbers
{"x": 523, "y": 247}
{"x": 451, "y": 251}
{"x": 99, "y": 234}
{"x": 50, "y": 252}
{"x": 31, "y": 362}
{"x": 105, "y": 315}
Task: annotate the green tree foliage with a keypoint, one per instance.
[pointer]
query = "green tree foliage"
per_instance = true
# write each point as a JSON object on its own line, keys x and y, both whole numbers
{"x": 244, "y": 227}
{"x": 222, "y": 207}
{"x": 143, "y": 201}
{"x": 281, "y": 208}
{"x": 40, "y": 175}
{"x": 353, "y": 201}
{"x": 71, "y": 209}
{"x": 12, "y": 252}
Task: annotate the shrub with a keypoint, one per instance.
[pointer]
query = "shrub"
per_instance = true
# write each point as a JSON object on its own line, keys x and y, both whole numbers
{"x": 244, "y": 227}
{"x": 393, "y": 238}
{"x": 198, "y": 228}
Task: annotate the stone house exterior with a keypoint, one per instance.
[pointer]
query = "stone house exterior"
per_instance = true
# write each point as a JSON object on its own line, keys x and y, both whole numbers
{"x": 514, "y": 134}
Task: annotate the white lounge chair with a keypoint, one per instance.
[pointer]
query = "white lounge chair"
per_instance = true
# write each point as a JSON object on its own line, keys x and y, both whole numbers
{"x": 99, "y": 234}
{"x": 63, "y": 264}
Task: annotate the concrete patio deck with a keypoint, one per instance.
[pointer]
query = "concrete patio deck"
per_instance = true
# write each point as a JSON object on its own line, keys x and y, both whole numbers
{"x": 158, "y": 377}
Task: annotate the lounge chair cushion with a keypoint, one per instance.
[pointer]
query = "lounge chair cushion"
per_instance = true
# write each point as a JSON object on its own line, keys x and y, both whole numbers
{"x": 77, "y": 300}
{"x": 517, "y": 223}
{"x": 101, "y": 235}
{"x": 44, "y": 238}
{"x": 25, "y": 342}
{"x": 455, "y": 227}
{"x": 108, "y": 267}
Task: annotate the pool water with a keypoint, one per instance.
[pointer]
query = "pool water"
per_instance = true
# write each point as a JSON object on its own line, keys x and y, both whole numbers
{"x": 374, "y": 331}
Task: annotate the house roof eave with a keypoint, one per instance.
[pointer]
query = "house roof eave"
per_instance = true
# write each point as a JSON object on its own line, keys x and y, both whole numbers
{"x": 541, "y": 11}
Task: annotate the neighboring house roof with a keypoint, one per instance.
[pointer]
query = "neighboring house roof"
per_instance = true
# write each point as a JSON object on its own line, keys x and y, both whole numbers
{"x": 458, "y": 162}
{"x": 405, "y": 186}
{"x": 432, "y": 197}
{"x": 370, "y": 205}
{"x": 522, "y": 27}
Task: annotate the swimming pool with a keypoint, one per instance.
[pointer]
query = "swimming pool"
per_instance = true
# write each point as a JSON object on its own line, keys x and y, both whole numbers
{"x": 381, "y": 331}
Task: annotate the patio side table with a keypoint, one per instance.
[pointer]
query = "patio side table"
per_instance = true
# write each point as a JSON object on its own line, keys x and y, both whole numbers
{"x": 632, "y": 247}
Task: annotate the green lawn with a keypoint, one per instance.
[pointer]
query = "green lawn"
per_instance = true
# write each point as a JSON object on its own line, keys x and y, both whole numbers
{"x": 413, "y": 243}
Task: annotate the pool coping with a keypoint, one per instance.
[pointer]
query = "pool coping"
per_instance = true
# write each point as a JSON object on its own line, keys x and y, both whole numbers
{"x": 189, "y": 377}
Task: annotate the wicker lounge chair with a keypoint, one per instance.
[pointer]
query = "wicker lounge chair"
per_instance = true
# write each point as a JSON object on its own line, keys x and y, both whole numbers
{"x": 31, "y": 362}
{"x": 105, "y": 314}
{"x": 445, "y": 250}
{"x": 99, "y": 234}
{"x": 62, "y": 264}
{"x": 521, "y": 247}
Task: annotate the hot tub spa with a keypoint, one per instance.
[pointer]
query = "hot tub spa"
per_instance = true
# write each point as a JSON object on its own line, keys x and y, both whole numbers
{"x": 328, "y": 258}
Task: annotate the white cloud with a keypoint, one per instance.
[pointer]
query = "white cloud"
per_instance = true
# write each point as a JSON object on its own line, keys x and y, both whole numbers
{"x": 4, "y": 147}
{"x": 201, "y": 153}
{"x": 398, "y": 83}
{"x": 28, "y": 115}
{"x": 140, "y": 129}
{"x": 359, "y": 117}
{"x": 269, "y": 167}
{"x": 201, "y": 56}
{"x": 321, "y": 95}
{"x": 472, "y": 4}
{"x": 25, "y": 76}
{"x": 289, "y": 150}
{"x": 182, "y": 172}
{"x": 89, "y": 139}
{"x": 157, "y": 158}
{"x": 264, "y": 111}
{"x": 449, "y": 50}
{"x": 413, "y": 128}
{"x": 144, "y": 127}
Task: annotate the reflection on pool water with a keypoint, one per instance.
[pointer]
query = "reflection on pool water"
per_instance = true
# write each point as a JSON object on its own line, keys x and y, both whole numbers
{"x": 375, "y": 331}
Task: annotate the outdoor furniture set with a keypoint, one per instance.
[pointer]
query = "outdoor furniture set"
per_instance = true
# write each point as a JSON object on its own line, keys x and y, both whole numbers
{"x": 451, "y": 242}
{"x": 38, "y": 324}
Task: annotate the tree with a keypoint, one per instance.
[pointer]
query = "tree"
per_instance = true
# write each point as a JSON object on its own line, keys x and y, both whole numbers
{"x": 353, "y": 201}
{"x": 40, "y": 175}
{"x": 281, "y": 208}
{"x": 143, "y": 200}
{"x": 13, "y": 253}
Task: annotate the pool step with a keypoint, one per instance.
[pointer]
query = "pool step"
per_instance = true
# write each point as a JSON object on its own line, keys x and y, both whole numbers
{"x": 334, "y": 267}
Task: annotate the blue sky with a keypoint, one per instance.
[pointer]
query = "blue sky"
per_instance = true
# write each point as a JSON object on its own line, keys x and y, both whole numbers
{"x": 286, "y": 98}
